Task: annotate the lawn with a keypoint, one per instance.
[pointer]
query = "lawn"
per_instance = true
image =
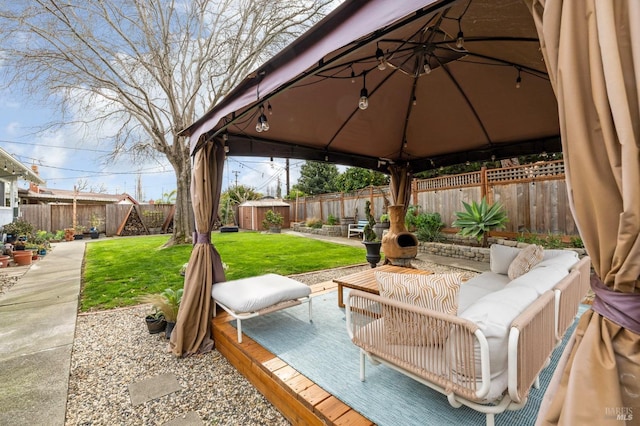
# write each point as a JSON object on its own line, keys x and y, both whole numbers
{"x": 119, "y": 270}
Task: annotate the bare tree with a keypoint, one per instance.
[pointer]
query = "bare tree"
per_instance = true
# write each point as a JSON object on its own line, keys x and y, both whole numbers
{"x": 144, "y": 69}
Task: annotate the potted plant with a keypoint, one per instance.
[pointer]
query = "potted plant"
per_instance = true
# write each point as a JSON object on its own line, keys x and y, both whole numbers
{"x": 69, "y": 234}
{"x": 95, "y": 221}
{"x": 155, "y": 322}
{"x": 273, "y": 221}
{"x": 78, "y": 232}
{"x": 371, "y": 241}
{"x": 17, "y": 228}
{"x": 167, "y": 302}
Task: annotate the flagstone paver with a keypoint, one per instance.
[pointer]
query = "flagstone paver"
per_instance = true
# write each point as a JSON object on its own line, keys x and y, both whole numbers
{"x": 152, "y": 388}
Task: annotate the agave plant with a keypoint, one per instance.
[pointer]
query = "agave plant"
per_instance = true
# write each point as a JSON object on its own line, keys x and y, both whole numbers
{"x": 478, "y": 219}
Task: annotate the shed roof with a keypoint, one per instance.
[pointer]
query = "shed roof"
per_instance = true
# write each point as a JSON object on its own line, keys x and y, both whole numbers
{"x": 265, "y": 202}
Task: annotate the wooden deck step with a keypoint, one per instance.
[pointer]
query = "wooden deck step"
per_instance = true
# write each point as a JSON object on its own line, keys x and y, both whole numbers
{"x": 298, "y": 398}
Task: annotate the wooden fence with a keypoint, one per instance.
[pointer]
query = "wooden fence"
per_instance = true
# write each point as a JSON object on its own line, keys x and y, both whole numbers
{"x": 54, "y": 217}
{"x": 534, "y": 197}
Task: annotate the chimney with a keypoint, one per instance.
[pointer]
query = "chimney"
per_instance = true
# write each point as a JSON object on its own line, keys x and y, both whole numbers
{"x": 32, "y": 186}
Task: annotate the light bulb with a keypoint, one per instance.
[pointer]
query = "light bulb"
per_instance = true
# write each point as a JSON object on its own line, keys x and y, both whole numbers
{"x": 265, "y": 125}
{"x": 415, "y": 101}
{"x": 518, "y": 81}
{"x": 353, "y": 76}
{"x": 460, "y": 40}
{"x": 382, "y": 64}
{"x": 269, "y": 109}
{"x": 259, "y": 127}
{"x": 364, "y": 103}
{"x": 427, "y": 68}
{"x": 364, "y": 99}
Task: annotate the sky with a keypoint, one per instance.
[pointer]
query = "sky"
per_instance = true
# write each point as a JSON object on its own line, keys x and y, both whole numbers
{"x": 65, "y": 156}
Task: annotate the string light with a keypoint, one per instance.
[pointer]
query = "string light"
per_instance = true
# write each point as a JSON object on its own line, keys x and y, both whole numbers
{"x": 363, "y": 103}
{"x": 262, "y": 125}
{"x": 518, "y": 79}
{"x": 382, "y": 63}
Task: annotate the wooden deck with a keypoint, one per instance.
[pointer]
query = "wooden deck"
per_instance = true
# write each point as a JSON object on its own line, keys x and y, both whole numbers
{"x": 300, "y": 400}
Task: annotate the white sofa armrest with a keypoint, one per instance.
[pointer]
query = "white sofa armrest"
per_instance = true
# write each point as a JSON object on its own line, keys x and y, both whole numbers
{"x": 531, "y": 342}
{"x": 431, "y": 364}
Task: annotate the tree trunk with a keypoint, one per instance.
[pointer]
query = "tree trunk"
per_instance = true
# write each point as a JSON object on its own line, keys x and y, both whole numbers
{"x": 183, "y": 225}
{"x": 183, "y": 221}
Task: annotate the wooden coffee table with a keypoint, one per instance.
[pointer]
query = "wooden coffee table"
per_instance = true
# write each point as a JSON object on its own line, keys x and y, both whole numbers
{"x": 366, "y": 281}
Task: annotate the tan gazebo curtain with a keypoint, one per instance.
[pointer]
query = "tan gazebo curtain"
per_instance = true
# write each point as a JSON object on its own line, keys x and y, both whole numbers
{"x": 400, "y": 186}
{"x": 192, "y": 332}
{"x": 592, "y": 52}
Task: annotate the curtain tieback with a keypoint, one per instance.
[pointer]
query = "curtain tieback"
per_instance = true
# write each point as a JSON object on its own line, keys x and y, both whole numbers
{"x": 201, "y": 238}
{"x": 620, "y": 308}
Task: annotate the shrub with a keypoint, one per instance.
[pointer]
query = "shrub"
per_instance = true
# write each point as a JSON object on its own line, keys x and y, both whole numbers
{"x": 314, "y": 223}
{"x": 577, "y": 242}
{"x": 18, "y": 228}
{"x": 550, "y": 241}
{"x": 478, "y": 219}
{"x": 332, "y": 220}
{"x": 428, "y": 227}
{"x": 272, "y": 219}
{"x": 411, "y": 218}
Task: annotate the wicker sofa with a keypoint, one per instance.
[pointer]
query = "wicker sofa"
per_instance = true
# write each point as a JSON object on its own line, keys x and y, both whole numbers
{"x": 489, "y": 354}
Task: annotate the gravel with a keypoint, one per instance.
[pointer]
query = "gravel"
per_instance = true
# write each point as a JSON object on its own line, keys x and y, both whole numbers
{"x": 6, "y": 282}
{"x": 113, "y": 349}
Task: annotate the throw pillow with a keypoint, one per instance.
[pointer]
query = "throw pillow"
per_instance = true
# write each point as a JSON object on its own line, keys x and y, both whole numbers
{"x": 500, "y": 257}
{"x": 438, "y": 292}
{"x": 525, "y": 260}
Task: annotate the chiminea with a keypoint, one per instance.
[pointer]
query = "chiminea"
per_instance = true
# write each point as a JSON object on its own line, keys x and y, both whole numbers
{"x": 399, "y": 245}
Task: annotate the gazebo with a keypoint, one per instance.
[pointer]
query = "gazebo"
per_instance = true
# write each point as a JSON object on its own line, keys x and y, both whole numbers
{"x": 486, "y": 79}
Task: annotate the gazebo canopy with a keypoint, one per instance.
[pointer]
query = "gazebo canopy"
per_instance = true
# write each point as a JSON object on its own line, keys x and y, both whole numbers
{"x": 446, "y": 82}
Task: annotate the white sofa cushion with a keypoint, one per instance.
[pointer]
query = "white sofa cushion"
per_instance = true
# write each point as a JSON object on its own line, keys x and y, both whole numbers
{"x": 479, "y": 286}
{"x": 500, "y": 257}
{"x": 559, "y": 258}
{"x": 525, "y": 260}
{"x": 493, "y": 315}
{"x": 540, "y": 279}
{"x": 438, "y": 292}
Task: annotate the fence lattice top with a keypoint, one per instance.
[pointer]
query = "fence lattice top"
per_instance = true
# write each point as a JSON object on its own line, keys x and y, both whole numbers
{"x": 527, "y": 172}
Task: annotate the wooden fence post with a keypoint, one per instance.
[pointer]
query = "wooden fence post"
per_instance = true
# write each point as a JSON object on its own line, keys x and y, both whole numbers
{"x": 414, "y": 191}
{"x": 484, "y": 186}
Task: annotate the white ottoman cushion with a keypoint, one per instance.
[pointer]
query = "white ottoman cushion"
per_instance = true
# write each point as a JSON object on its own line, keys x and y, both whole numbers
{"x": 256, "y": 293}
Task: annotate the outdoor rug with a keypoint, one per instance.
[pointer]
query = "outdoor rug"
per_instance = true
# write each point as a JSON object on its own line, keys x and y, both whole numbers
{"x": 322, "y": 351}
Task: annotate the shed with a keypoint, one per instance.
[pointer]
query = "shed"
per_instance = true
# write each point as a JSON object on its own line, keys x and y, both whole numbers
{"x": 251, "y": 213}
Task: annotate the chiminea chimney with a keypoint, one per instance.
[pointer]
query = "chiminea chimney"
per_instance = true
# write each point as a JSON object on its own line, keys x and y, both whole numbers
{"x": 33, "y": 187}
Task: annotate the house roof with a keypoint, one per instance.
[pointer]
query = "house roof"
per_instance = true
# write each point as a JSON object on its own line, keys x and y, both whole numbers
{"x": 10, "y": 167}
{"x": 265, "y": 202}
{"x": 52, "y": 195}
